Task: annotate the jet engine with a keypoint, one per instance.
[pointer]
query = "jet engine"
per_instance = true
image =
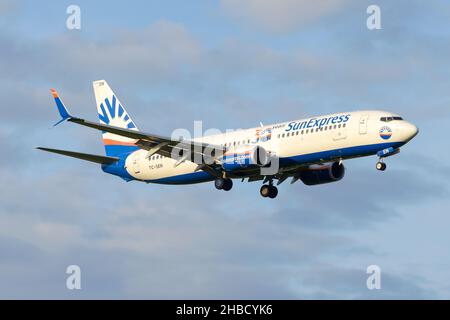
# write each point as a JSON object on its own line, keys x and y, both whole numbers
{"x": 245, "y": 157}
{"x": 324, "y": 173}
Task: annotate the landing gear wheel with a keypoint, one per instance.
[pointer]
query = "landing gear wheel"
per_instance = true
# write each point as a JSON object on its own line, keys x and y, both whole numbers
{"x": 219, "y": 183}
{"x": 273, "y": 192}
{"x": 265, "y": 191}
{"x": 268, "y": 191}
{"x": 228, "y": 185}
{"x": 381, "y": 166}
{"x": 223, "y": 184}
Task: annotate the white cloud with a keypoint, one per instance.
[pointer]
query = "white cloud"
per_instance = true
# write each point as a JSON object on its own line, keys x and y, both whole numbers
{"x": 133, "y": 240}
{"x": 280, "y": 15}
{"x": 56, "y": 234}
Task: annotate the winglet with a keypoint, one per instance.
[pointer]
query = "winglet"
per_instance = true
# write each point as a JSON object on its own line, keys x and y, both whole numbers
{"x": 65, "y": 115}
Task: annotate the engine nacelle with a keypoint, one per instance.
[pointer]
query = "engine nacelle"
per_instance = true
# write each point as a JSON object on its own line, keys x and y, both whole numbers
{"x": 324, "y": 173}
{"x": 245, "y": 157}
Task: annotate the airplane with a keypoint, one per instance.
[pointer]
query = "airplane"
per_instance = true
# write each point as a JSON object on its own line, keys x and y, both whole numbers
{"x": 311, "y": 150}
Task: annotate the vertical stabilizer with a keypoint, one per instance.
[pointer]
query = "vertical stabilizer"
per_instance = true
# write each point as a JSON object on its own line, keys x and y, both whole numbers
{"x": 111, "y": 112}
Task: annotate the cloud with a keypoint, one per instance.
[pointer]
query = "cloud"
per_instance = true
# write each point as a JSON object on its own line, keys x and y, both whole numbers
{"x": 331, "y": 282}
{"x": 333, "y": 206}
{"x": 168, "y": 69}
{"x": 280, "y": 16}
{"x": 160, "y": 50}
{"x": 8, "y": 6}
{"x": 131, "y": 242}
{"x": 149, "y": 241}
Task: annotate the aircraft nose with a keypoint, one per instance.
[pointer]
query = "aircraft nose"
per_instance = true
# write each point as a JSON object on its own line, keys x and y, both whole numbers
{"x": 411, "y": 130}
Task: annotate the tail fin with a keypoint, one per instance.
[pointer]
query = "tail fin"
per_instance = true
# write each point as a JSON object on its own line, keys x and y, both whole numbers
{"x": 112, "y": 112}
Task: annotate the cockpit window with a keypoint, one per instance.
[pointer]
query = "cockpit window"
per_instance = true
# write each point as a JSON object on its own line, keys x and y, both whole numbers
{"x": 388, "y": 119}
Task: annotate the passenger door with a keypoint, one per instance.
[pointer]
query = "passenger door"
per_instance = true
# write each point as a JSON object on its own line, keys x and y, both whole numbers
{"x": 363, "y": 124}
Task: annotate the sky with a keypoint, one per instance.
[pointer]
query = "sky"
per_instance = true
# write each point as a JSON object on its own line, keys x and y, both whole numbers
{"x": 229, "y": 64}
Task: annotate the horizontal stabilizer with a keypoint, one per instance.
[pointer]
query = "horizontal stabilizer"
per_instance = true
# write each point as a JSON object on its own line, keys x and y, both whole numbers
{"x": 82, "y": 156}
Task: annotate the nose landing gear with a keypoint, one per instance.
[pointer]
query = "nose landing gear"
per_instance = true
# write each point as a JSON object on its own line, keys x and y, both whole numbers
{"x": 381, "y": 166}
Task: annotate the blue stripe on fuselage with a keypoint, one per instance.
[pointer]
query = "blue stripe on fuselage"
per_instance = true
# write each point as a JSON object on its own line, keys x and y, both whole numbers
{"x": 350, "y": 152}
{"x": 201, "y": 176}
{"x": 188, "y": 178}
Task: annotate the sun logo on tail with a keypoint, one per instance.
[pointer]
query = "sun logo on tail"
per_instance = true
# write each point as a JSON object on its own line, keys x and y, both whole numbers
{"x": 114, "y": 114}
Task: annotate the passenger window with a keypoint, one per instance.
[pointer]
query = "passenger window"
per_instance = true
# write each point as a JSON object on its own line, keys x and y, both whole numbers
{"x": 335, "y": 126}
{"x": 283, "y": 135}
{"x": 302, "y": 132}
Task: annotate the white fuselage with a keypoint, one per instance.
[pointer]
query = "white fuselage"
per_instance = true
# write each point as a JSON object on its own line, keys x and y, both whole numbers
{"x": 296, "y": 143}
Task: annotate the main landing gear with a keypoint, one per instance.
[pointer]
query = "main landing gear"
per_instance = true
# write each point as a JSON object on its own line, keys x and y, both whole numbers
{"x": 269, "y": 190}
{"x": 381, "y": 166}
{"x": 223, "y": 184}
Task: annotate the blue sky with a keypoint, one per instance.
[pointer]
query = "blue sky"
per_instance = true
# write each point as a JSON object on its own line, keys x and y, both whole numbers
{"x": 230, "y": 64}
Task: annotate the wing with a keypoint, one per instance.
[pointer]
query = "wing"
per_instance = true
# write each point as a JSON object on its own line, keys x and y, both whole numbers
{"x": 183, "y": 150}
{"x": 206, "y": 155}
